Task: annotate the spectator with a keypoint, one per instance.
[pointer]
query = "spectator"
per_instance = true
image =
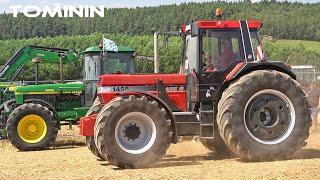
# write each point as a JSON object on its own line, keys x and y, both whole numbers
{"x": 314, "y": 116}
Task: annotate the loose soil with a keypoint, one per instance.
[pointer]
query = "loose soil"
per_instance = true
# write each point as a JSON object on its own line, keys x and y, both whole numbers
{"x": 70, "y": 159}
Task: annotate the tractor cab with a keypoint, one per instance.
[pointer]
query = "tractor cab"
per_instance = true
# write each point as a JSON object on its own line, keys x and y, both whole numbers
{"x": 97, "y": 62}
{"x": 121, "y": 61}
{"x": 213, "y": 49}
{"x": 219, "y": 45}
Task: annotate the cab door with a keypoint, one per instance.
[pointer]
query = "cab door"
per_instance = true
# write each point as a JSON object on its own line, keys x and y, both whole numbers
{"x": 221, "y": 51}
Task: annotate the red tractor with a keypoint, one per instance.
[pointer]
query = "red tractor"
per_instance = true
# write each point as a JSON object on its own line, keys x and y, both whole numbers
{"x": 229, "y": 95}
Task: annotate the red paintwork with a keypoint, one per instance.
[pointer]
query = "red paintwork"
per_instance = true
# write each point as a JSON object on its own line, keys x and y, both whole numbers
{"x": 223, "y": 24}
{"x": 141, "y": 79}
{"x": 226, "y": 24}
{"x": 234, "y": 71}
{"x": 86, "y": 125}
{"x": 177, "y": 97}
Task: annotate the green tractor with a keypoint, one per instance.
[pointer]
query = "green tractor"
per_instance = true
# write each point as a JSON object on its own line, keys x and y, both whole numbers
{"x": 41, "y": 109}
{"x": 11, "y": 71}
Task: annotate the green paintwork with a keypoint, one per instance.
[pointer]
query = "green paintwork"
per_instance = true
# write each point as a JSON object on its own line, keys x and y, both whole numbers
{"x": 46, "y": 89}
{"x": 67, "y": 115}
{"x": 92, "y": 49}
{"x": 81, "y": 112}
{"x": 12, "y": 68}
{"x": 27, "y": 53}
{"x": 96, "y": 49}
{"x": 67, "y": 110}
{"x": 7, "y": 90}
{"x": 72, "y": 87}
{"x": 74, "y": 114}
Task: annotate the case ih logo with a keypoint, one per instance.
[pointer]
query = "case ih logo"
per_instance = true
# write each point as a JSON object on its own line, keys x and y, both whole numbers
{"x": 57, "y": 11}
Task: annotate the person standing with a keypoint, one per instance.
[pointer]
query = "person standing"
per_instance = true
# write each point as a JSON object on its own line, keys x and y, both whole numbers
{"x": 314, "y": 116}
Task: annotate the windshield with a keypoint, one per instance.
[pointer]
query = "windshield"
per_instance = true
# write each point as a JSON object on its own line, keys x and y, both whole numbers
{"x": 119, "y": 63}
{"x": 114, "y": 63}
{"x": 221, "y": 48}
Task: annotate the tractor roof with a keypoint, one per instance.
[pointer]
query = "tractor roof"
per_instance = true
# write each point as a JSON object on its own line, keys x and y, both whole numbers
{"x": 226, "y": 24}
{"x": 121, "y": 49}
{"x": 223, "y": 24}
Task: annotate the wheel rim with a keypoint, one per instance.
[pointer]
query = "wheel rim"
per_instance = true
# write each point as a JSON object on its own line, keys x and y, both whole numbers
{"x": 269, "y": 116}
{"x": 135, "y": 132}
{"x": 32, "y": 129}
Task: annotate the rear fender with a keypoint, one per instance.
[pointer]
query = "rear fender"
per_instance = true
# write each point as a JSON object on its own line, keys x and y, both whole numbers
{"x": 245, "y": 68}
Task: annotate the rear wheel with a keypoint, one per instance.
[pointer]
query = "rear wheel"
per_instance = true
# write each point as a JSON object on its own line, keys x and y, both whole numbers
{"x": 32, "y": 127}
{"x": 5, "y": 109}
{"x": 132, "y": 132}
{"x": 264, "y": 116}
{"x": 94, "y": 109}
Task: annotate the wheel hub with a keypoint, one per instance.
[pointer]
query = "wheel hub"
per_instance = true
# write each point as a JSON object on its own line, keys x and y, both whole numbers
{"x": 132, "y": 131}
{"x": 135, "y": 132}
{"x": 266, "y": 118}
{"x": 269, "y": 116}
{"x": 32, "y": 128}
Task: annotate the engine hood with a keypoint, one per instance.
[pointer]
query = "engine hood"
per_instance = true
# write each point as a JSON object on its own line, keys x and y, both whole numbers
{"x": 74, "y": 87}
{"x": 141, "y": 79}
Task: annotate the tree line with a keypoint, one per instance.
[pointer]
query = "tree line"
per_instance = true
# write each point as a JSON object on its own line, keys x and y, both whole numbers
{"x": 287, "y": 20}
{"x": 170, "y": 53}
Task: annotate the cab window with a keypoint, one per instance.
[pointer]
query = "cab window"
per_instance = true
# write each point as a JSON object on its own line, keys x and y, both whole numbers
{"x": 219, "y": 49}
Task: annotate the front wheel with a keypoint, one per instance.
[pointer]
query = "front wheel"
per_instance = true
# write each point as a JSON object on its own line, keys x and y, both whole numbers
{"x": 32, "y": 127}
{"x": 264, "y": 116}
{"x": 132, "y": 132}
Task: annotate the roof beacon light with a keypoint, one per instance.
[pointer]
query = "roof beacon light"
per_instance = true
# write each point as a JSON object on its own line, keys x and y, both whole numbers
{"x": 219, "y": 13}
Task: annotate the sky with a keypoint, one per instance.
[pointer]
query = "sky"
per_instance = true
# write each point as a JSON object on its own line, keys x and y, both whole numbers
{"x": 5, "y": 4}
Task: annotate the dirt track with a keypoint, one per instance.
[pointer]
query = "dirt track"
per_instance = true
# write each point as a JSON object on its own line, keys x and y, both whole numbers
{"x": 187, "y": 160}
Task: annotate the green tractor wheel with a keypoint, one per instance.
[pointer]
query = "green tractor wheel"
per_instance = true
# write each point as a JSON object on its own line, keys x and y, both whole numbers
{"x": 32, "y": 127}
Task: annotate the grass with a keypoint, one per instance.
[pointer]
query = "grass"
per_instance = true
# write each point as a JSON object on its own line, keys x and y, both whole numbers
{"x": 309, "y": 45}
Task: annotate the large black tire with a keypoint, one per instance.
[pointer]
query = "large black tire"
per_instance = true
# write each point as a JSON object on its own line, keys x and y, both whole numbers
{"x": 5, "y": 108}
{"x": 216, "y": 144}
{"x": 94, "y": 109}
{"x": 46, "y": 138}
{"x": 123, "y": 110}
{"x": 272, "y": 138}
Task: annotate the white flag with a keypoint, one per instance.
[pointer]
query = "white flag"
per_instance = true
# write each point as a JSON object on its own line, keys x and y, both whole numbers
{"x": 109, "y": 45}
